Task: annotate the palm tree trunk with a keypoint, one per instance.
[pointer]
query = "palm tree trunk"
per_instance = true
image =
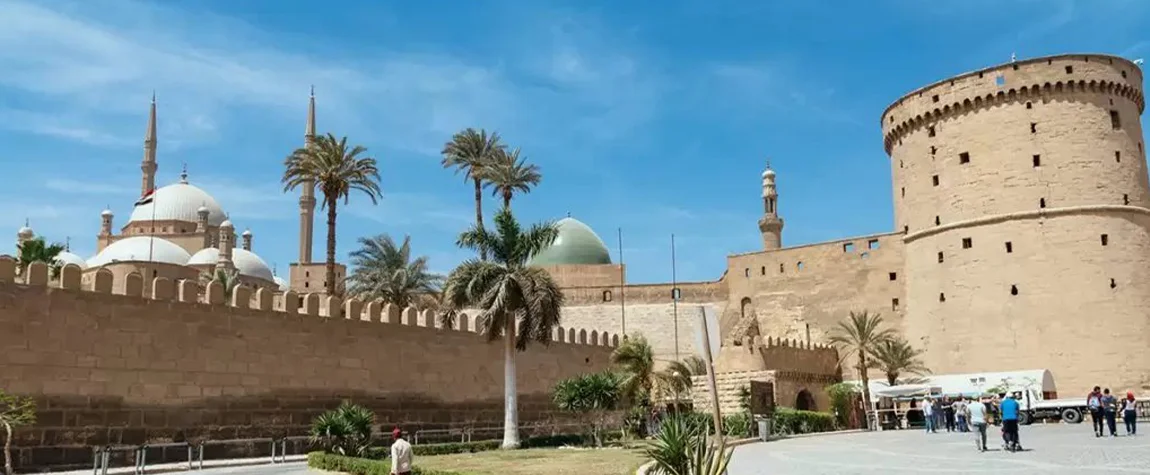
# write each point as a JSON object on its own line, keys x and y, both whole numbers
{"x": 8, "y": 449}
{"x": 329, "y": 284}
{"x": 865, "y": 390}
{"x": 510, "y": 396}
{"x": 506, "y": 199}
{"x": 479, "y": 213}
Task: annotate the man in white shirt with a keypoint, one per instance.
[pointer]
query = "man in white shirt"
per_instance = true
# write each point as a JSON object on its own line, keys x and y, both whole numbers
{"x": 976, "y": 414}
{"x": 400, "y": 454}
{"x": 928, "y": 414}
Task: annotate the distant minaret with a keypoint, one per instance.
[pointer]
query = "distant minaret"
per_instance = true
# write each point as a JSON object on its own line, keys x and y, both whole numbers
{"x": 227, "y": 241}
{"x": 149, "y": 164}
{"x": 307, "y": 196}
{"x": 770, "y": 225}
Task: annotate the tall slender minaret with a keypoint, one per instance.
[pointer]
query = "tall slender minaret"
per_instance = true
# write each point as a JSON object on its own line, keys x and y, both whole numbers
{"x": 149, "y": 164}
{"x": 770, "y": 225}
{"x": 307, "y": 195}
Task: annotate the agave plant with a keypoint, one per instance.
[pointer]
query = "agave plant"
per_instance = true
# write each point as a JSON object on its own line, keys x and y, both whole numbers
{"x": 709, "y": 459}
{"x": 345, "y": 430}
{"x": 674, "y": 446}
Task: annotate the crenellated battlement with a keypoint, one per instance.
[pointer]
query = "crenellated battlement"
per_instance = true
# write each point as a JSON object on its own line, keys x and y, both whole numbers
{"x": 192, "y": 292}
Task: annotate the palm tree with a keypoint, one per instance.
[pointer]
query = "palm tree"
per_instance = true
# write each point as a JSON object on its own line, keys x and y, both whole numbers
{"x": 387, "y": 272}
{"x": 37, "y": 250}
{"x": 509, "y": 294}
{"x": 636, "y": 361}
{"x": 336, "y": 171}
{"x": 508, "y": 174}
{"x": 471, "y": 151}
{"x": 858, "y": 335}
{"x": 895, "y": 357}
{"x": 676, "y": 377}
{"x": 228, "y": 278}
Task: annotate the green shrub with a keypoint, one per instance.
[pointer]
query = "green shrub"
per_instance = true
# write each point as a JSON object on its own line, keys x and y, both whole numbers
{"x": 791, "y": 421}
{"x": 738, "y": 425}
{"x": 381, "y": 453}
{"x": 361, "y": 466}
{"x": 345, "y": 430}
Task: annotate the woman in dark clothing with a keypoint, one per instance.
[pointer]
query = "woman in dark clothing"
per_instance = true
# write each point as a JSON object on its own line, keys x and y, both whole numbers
{"x": 948, "y": 412}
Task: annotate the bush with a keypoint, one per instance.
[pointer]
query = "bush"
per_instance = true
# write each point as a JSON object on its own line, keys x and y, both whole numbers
{"x": 792, "y": 421}
{"x": 381, "y": 453}
{"x": 738, "y": 425}
{"x": 361, "y": 466}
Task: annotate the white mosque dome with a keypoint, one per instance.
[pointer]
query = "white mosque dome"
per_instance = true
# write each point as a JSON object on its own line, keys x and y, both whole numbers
{"x": 179, "y": 202}
{"x": 282, "y": 283}
{"x": 138, "y": 248}
{"x": 64, "y": 258}
{"x": 246, "y": 262}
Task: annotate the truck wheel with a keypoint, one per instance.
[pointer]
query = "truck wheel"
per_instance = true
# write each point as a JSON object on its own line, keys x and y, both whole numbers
{"x": 1024, "y": 418}
{"x": 1071, "y": 415}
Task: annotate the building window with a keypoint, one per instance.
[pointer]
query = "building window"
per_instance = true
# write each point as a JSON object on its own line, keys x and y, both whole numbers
{"x": 904, "y": 191}
{"x": 1115, "y": 120}
{"x": 799, "y": 265}
{"x": 763, "y": 271}
{"x": 934, "y": 180}
{"x": 905, "y": 228}
{"x": 872, "y": 244}
{"x": 1113, "y": 284}
{"x": 1125, "y": 199}
{"x": 934, "y": 98}
{"x": 1034, "y": 127}
{"x": 1117, "y": 156}
{"x": 307, "y": 274}
{"x": 1013, "y": 290}
{"x": 930, "y": 131}
{"x": 967, "y": 243}
{"x": 933, "y": 149}
{"x": 849, "y": 247}
{"x": 900, "y": 163}
{"x": 1070, "y": 70}
{"x": 893, "y": 276}
{"x": 894, "y": 305}
{"x": 941, "y": 297}
{"x": 305, "y": 284}
{"x": 1123, "y": 73}
{"x": 781, "y": 268}
{"x": 937, "y": 221}
{"x": 1029, "y": 105}
{"x": 747, "y": 272}
{"x": 964, "y": 157}
{"x": 1042, "y": 202}
{"x": 675, "y": 294}
{"x": 1105, "y": 239}
{"x": 940, "y": 258}
{"x": 1009, "y": 247}
{"x": 607, "y": 296}
{"x": 1037, "y": 160}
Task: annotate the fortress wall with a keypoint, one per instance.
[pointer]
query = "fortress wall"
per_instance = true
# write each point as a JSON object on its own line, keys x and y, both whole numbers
{"x": 124, "y": 369}
{"x": 656, "y": 322}
{"x": 834, "y": 279}
{"x": 689, "y": 292}
{"x": 1054, "y": 158}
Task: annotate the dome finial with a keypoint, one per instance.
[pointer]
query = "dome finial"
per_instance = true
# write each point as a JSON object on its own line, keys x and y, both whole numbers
{"x": 67, "y": 243}
{"x": 568, "y": 214}
{"x": 184, "y": 174}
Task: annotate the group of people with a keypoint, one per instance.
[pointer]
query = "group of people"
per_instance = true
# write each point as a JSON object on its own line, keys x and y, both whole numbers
{"x": 1104, "y": 408}
{"x": 974, "y": 415}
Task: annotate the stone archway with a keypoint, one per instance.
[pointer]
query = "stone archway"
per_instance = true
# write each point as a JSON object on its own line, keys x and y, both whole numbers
{"x": 745, "y": 307}
{"x": 805, "y": 402}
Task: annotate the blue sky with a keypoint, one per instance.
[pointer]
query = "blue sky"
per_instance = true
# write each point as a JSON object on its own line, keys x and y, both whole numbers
{"x": 656, "y": 117}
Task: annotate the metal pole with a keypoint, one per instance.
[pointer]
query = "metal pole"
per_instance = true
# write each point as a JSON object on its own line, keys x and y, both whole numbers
{"x": 104, "y": 463}
{"x": 622, "y": 286}
{"x": 96, "y": 456}
{"x": 675, "y": 297}
{"x": 273, "y": 451}
{"x": 201, "y": 455}
{"x": 711, "y": 380}
{"x": 808, "y": 336}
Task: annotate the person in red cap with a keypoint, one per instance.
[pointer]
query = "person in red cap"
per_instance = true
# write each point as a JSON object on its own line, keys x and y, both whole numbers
{"x": 400, "y": 454}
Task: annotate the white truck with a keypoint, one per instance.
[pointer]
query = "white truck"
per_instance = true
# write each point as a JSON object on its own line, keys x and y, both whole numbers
{"x": 1034, "y": 407}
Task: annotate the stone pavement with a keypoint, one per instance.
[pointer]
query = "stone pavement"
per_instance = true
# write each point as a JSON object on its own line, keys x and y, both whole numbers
{"x": 1051, "y": 449}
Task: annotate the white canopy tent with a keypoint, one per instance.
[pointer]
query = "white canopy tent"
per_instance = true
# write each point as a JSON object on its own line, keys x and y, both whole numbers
{"x": 971, "y": 384}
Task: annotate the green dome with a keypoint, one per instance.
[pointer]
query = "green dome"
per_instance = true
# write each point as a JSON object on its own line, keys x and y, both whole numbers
{"x": 576, "y": 244}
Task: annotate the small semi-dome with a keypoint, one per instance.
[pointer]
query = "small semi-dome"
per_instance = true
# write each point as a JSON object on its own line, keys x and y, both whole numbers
{"x": 106, "y": 213}
{"x": 64, "y": 258}
{"x": 179, "y": 202}
{"x": 138, "y": 248}
{"x": 576, "y": 244}
{"x": 282, "y": 283}
{"x": 25, "y": 231}
{"x": 247, "y": 232}
{"x": 227, "y": 224}
{"x": 246, "y": 262}
{"x": 768, "y": 173}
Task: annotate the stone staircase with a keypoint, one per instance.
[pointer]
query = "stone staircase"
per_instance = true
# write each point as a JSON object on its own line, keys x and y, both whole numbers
{"x": 728, "y": 385}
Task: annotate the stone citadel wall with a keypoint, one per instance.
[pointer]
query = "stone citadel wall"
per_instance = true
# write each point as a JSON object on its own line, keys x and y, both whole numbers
{"x": 125, "y": 369}
{"x": 1024, "y": 194}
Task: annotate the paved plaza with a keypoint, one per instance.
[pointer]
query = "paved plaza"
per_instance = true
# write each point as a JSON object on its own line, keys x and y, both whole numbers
{"x": 1051, "y": 449}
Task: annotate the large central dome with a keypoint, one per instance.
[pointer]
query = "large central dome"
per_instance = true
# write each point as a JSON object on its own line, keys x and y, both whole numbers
{"x": 576, "y": 244}
{"x": 179, "y": 202}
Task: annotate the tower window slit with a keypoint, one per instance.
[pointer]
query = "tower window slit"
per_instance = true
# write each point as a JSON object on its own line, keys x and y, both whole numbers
{"x": 1036, "y": 160}
{"x": 1105, "y": 239}
{"x": 1117, "y": 156}
{"x": 1013, "y": 290}
{"x": 1009, "y": 247}
{"x": 1042, "y": 202}
{"x": 1115, "y": 120}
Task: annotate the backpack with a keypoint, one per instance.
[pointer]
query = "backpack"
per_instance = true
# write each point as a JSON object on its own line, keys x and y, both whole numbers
{"x": 1094, "y": 402}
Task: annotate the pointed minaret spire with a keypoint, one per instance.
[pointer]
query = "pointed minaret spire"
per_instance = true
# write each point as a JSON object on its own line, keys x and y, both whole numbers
{"x": 148, "y": 167}
{"x": 307, "y": 190}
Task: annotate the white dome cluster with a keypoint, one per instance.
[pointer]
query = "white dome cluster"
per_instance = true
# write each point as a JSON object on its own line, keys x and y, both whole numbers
{"x": 141, "y": 249}
{"x": 246, "y": 262}
{"x": 179, "y": 202}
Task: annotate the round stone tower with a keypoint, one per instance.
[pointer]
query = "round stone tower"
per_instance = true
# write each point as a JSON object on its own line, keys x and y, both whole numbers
{"x": 1023, "y": 192}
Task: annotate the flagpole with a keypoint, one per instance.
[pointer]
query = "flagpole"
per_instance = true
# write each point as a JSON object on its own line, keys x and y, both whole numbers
{"x": 675, "y": 296}
{"x": 152, "y": 238}
{"x": 622, "y": 286}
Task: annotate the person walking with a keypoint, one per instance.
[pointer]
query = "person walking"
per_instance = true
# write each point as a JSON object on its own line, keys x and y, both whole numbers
{"x": 928, "y": 414}
{"x": 400, "y": 454}
{"x": 1009, "y": 411}
{"x": 1094, "y": 403}
{"x": 948, "y": 413}
{"x": 976, "y": 413}
{"x": 960, "y": 414}
{"x": 1130, "y": 413}
{"x": 1110, "y": 410}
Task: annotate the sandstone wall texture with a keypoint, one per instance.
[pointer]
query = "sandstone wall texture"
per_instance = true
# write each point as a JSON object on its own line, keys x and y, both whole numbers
{"x": 656, "y": 322}
{"x": 119, "y": 369}
{"x": 1024, "y": 194}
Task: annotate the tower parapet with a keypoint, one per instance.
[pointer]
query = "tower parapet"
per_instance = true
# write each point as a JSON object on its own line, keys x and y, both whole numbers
{"x": 1023, "y": 192}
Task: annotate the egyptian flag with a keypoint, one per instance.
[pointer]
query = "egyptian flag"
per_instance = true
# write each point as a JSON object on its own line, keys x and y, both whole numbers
{"x": 147, "y": 198}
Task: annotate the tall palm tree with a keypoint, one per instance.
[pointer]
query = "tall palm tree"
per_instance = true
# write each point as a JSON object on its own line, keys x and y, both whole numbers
{"x": 517, "y": 302}
{"x": 228, "y": 278}
{"x": 471, "y": 151}
{"x": 636, "y": 361}
{"x": 386, "y": 271}
{"x": 330, "y": 166}
{"x": 895, "y": 357}
{"x": 508, "y": 174}
{"x": 38, "y": 250}
{"x": 858, "y": 335}
{"x": 676, "y": 377}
